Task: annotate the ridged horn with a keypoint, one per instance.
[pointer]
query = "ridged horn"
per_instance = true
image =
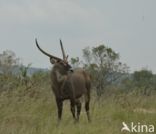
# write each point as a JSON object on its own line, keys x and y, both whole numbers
{"x": 63, "y": 52}
{"x": 47, "y": 54}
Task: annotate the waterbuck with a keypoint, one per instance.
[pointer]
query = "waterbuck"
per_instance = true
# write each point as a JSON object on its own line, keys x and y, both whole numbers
{"x": 68, "y": 84}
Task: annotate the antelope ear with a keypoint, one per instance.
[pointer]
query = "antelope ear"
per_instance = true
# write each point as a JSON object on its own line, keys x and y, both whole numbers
{"x": 53, "y": 61}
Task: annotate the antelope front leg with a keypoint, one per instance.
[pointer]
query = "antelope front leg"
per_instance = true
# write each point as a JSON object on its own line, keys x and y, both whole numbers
{"x": 59, "y": 107}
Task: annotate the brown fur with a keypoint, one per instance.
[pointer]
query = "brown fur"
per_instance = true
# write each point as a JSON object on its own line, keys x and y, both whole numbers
{"x": 72, "y": 86}
{"x": 67, "y": 84}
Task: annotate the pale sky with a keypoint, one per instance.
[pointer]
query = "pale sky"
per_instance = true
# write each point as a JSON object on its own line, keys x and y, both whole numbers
{"x": 127, "y": 26}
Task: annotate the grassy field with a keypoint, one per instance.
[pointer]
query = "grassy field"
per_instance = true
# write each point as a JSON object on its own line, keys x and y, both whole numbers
{"x": 33, "y": 111}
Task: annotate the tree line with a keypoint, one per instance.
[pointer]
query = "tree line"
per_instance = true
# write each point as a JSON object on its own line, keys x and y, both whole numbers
{"x": 102, "y": 62}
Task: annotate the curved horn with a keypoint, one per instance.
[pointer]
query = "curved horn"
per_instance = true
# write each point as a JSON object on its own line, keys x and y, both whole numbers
{"x": 63, "y": 52}
{"x": 49, "y": 55}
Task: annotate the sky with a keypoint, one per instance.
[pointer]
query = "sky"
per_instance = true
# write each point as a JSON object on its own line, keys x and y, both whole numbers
{"x": 127, "y": 26}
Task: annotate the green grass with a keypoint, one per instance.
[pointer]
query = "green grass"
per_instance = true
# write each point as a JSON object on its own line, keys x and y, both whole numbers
{"x": 33, "y": 111}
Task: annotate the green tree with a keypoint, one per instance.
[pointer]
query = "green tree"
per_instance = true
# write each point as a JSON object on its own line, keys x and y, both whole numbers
{"x": 144, "y": 80}
{"x": 103, "y": 64}
{"x": 75, "y": 62}
{"x": 8, "y": 60}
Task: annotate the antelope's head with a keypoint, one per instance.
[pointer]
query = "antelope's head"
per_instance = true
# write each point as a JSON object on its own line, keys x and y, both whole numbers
{"x": 60, "y": 64}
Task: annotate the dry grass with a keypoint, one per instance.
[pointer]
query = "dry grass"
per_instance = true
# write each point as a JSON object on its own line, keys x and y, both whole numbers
{"x": 33, "y": 111}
